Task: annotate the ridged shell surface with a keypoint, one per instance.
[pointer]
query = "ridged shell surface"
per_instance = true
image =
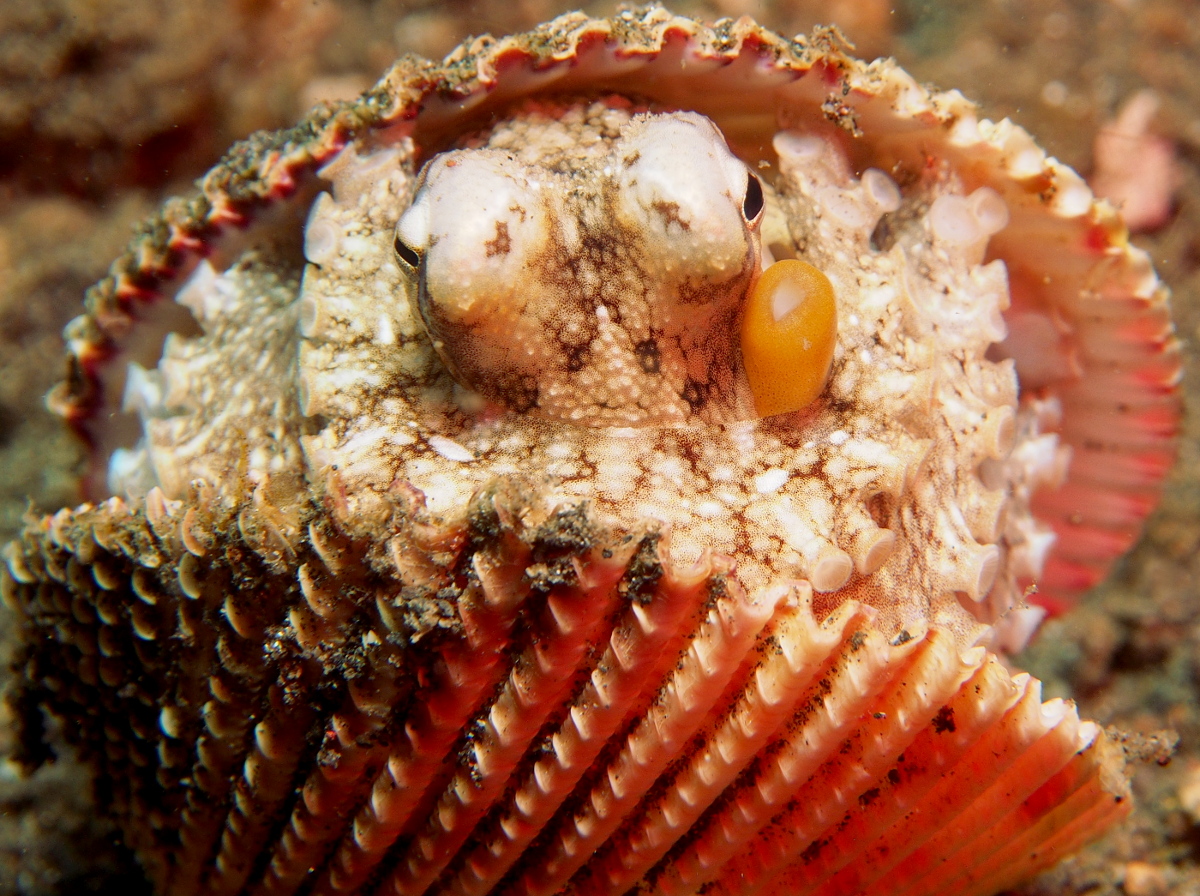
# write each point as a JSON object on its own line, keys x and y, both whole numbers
{"x": 497, "y": 710}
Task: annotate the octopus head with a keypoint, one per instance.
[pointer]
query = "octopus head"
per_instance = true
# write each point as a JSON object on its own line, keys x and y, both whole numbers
{"x": 604, "y": 285}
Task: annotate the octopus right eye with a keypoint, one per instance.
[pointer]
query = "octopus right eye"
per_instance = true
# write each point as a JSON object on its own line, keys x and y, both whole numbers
{"x": 752, "y": 205}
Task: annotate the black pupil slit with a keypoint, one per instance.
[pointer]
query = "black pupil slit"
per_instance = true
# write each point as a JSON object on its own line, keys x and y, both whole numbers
{"x": 407, "y": 253}
{"x": 753, "y": 203}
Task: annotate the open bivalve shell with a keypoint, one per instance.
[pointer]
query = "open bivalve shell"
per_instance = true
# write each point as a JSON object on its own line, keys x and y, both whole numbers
{"x": 610, "y": 459}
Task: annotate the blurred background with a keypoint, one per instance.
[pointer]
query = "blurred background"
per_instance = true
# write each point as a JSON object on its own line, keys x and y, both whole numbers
{"x": 108, "y": 106}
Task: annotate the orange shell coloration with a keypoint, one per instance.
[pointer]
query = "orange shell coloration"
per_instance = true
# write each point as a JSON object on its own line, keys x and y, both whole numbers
{"x": 297, "y": 666}
{"x": 496, "y": 710}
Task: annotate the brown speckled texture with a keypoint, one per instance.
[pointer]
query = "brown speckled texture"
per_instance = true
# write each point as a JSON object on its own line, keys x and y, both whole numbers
{"x": 1130, "y": 654}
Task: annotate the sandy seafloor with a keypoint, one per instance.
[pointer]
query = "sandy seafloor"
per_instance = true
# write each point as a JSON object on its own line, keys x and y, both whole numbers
{"x": 106, "y": 106}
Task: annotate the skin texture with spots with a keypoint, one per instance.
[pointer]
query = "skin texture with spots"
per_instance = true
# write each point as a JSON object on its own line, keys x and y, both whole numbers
{"x": 542, "y": 288}
{"x": 598, "y": 358}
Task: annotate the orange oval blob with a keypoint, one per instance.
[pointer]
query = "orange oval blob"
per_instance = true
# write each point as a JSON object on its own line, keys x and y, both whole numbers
{"x": 789, "y": 329}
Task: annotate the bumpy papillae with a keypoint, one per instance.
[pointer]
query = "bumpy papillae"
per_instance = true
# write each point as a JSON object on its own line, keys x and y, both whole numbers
{"x": 487, "y": 709}
{"x": 1100, "y": 365}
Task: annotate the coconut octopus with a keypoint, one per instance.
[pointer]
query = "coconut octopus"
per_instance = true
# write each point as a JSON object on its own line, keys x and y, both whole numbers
{"x": 613, "y": 458}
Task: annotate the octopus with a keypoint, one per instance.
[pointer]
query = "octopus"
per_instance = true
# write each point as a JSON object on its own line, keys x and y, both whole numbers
{"x": 615, "y": 458}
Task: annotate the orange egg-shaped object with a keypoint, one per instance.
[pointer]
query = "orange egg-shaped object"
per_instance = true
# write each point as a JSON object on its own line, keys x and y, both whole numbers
{"x": 789, "y": 329}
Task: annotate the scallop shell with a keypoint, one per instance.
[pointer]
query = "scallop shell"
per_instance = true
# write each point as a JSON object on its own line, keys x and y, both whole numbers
{"x": 497, "y": 710}
{"x": 284, "y": 686}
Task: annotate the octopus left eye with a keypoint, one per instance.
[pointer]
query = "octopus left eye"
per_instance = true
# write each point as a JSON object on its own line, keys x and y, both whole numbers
{"x": 408, "y": 256}
{"x": 789, "y": 330}
{"x": 412, "y": 236}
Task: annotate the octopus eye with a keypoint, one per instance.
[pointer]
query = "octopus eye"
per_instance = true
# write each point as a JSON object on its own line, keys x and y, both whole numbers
{"x": 408, "y": 256}
{"x": 789, "y": 329}
{"x": 752, "y": 205}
